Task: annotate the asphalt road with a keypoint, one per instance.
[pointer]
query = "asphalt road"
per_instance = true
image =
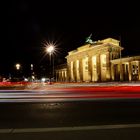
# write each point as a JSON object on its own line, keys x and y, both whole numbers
{"x": 101, "y": 134}
{"x": 111, "y": 113}
{"x": 93, "y": 119}
{"x": 28, "y": 115}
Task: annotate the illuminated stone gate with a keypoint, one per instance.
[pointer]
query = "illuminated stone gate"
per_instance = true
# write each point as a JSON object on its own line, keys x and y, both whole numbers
{"x": 126, "y": 69}
{"x": 99, "y": 61}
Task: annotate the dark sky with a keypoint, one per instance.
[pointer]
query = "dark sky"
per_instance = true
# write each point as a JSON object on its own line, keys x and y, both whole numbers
{"x": 27, "y": 23}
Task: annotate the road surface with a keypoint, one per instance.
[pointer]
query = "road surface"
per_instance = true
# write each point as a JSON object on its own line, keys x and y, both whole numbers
{"x": 70, "y": 113}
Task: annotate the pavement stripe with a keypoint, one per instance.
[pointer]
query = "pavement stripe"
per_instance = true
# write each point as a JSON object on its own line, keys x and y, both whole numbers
{"x": 68, "y": 95}
{"x": 75, "y": 128}
{"x": 21, "y": 91}
{"x": 49, "y": 100}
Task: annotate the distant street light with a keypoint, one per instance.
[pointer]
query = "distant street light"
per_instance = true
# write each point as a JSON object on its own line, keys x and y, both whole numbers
{"x": 18, "y": 66}
{"x": 32, "y": 73}
{"x": 31, "y": 67}
{"x": 50, "y": 50}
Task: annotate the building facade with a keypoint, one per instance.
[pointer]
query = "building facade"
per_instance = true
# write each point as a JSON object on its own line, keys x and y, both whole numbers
{"x": 99, "y": 62}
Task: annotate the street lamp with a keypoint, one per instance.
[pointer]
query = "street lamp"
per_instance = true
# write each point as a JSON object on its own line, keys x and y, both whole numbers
{"x": 18, "y": 66}
{"x": 32, "y": 73}
{"x": 50, "y": 50}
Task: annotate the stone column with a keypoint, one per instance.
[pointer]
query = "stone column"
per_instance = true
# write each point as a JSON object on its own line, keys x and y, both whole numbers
{"x": 98, "y": 68}
{"x": 112, "y": 72}
{"x": 130, "y": 71}
{"x": 62, "y": 75}
{"x": 66, "y": 78}
{"x": 71, "y": 71}
{"x": 139, "y": 70}
{"x": 127, "y": 72}
{"x": 90, "y": 68}
{"x": 77, "y": 71}
{"x": 81, "y": 69}
{"x": 108, "y": 67}
{"x": 74, "y": 71}
{"x": 121, "y": 71}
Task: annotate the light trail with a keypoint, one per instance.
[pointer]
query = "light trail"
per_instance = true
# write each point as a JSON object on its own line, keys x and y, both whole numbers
{"x": 71, "y": 93}
{"x": 64, "y": 94}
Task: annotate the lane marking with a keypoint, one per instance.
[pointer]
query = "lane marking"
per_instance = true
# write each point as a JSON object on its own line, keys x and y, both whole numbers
{"x": 75, "y": 128}
{"x": 21, "y": 91}
{"x": 49, "y": 100}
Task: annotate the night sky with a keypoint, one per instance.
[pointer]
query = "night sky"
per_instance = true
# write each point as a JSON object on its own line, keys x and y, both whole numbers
{"x": 26, "y": 24}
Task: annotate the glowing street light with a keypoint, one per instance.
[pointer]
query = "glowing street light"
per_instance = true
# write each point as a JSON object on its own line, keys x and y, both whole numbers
{"x": 31, "y": 67}
{"x": 50, "y": 50}
{"x": 18, "y": 66}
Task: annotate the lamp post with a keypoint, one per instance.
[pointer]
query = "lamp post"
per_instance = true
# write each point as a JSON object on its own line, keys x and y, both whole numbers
{"x": 50, "y": 49}
{"x": 18, "y": 66}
